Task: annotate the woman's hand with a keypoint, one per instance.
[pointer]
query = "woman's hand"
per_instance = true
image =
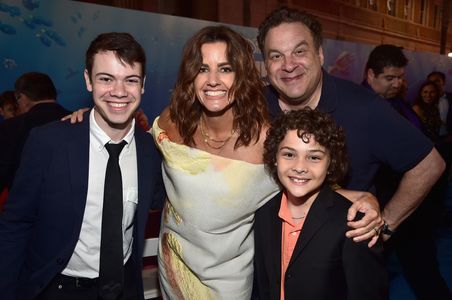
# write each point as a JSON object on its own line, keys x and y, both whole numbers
{"x": 76, "y": 116}
{"x": 142, "y": 119}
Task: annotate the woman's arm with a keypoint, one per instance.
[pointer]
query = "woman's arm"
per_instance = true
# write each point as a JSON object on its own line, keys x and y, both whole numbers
{"x": 417, "y": 110}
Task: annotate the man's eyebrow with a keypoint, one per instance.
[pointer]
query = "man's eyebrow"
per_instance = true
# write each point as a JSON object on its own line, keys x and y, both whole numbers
{"x": 103, "y": 73}
{"x": 301, "y": 43}
{"x": 110, "y": 75}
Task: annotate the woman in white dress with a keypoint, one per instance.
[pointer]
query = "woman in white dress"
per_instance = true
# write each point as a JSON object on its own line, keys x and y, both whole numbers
{"x": 211, "y": 138}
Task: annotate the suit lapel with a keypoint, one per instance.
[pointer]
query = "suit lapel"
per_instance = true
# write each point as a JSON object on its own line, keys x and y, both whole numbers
{"x": 78, "y": 159}
{"x": 145, "y": 179}
{"x": 317, "y": 216}
{"x": 274, "y": 229}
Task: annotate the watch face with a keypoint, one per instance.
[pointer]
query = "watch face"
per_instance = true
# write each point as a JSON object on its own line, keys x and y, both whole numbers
{"x": 386, "y": 230}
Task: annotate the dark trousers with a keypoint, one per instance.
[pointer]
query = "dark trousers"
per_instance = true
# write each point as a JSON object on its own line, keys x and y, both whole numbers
{"x": 414, "y": 242}
{"x": 68, "y": 288}
{"x": 415, "y": 247}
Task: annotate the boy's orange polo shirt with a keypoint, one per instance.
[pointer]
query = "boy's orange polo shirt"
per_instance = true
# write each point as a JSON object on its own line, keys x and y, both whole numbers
{"x": 289, "y": 236}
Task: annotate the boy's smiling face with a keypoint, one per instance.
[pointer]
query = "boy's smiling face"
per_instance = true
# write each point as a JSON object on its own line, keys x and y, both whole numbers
{"x": 302, "y": 166}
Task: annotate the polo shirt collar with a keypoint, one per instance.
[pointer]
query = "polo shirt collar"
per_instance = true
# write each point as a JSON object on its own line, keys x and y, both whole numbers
{"x": 272, "y": 97}
{"x": 284, "y": 213}
{"x": 328, "y": 99}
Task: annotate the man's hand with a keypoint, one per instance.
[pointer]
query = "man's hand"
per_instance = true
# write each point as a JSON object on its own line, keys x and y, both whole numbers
{"x": 369, "y": 226}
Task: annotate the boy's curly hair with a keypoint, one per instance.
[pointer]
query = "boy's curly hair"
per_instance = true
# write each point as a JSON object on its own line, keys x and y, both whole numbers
{"x": 308, "y": 123}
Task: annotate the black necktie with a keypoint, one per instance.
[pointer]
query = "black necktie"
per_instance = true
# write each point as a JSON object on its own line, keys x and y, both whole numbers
{"x": 111, "y": 267}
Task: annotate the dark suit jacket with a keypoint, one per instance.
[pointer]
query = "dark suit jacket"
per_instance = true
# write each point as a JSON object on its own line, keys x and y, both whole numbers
{"x": 14, "y": 132}
{"x": 449, "y": 113}
{"x": 325, "y": 264}
{"x": 41, "y": 223}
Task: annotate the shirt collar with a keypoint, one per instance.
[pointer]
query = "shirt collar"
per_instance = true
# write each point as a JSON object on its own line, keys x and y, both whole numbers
{"x": 284, "y": 212}
{"x": 272, "y": 101}
{"x": 328, "y": 97}
{"x": 100, "y": 138}
{"x": 327, "y": 102}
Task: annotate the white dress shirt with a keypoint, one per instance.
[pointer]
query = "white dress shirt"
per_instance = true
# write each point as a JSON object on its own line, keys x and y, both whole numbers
{"x": 85, "y": 259}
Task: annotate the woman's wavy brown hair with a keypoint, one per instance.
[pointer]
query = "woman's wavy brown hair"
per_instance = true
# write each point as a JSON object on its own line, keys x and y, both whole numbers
{"x": 249, "y": 106}
{"x": 308, "y": 123}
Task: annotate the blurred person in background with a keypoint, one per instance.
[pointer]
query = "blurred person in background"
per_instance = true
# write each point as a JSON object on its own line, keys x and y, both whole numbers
{"x": 8, "y": 105}
{"x": 35, "y": 95}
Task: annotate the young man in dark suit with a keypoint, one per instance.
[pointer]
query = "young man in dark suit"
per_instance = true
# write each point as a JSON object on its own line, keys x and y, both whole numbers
{"x": 64, "y": 201}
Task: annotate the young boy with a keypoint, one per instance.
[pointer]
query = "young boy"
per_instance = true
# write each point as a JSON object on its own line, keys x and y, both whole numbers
{"x": 301, "y": 248}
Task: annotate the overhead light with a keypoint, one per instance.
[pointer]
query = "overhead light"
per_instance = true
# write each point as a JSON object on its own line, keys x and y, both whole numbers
{"x": 449, "y": 54}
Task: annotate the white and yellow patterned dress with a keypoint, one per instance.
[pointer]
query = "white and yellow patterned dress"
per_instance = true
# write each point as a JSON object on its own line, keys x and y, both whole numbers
{"x": 206, "y": 239}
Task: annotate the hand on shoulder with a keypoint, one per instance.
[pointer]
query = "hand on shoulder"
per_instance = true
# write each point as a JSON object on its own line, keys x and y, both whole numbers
{"x": 167, "y": 125}
{"x": 164, "y": 121}
{"x": 76, "y": 116}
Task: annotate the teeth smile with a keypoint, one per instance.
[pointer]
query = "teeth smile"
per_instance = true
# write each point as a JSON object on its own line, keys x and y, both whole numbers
{"x": 117, "y": 104}
{"x": 215, "y": 93}
{"x": 298, "y": 180}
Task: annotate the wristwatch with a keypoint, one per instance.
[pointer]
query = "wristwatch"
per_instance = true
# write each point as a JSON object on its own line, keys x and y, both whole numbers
{"x": 385, "y": 229}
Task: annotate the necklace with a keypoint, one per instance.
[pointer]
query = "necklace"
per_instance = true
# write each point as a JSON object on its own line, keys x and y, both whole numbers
{"x": 209, "y": 141}
{"x": 308, "y": 204}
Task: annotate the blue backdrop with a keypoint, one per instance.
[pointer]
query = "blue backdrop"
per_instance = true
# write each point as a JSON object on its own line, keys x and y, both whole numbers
{"x": 52, "y": 37}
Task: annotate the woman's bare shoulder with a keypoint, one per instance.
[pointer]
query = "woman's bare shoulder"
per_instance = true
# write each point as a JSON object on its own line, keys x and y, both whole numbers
{"x": 253, "y": 153}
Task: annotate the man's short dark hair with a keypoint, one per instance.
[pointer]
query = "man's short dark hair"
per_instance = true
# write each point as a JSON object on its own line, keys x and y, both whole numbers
{"x": 123, "y": 44}
{"x": 288, "y": 15}
{"x": 386, "y": 55}
{"x": 36, "y": 86}
{"x": 437, "y": 73}
{"x": 308, "y": 123}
